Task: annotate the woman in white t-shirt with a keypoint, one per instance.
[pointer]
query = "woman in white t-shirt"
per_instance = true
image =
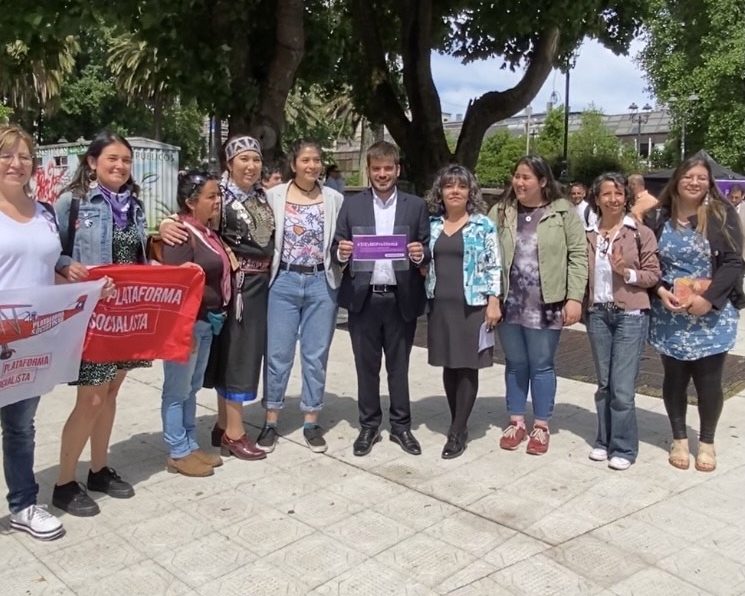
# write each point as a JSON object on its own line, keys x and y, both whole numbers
{"x": 29, "y": 252}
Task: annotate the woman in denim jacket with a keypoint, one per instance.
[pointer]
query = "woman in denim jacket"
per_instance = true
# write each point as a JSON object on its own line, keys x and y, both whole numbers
{"x": 463, "y": 287}
{"x": 623, "y": 265}
{"x": 109, "y": 228}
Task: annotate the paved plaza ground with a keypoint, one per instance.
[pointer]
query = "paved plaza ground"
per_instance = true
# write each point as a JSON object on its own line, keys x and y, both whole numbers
{"x": 490, "y": 522}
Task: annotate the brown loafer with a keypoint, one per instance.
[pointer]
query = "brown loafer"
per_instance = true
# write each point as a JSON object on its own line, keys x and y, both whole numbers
{"x": 189, "y": 465}
{"x": 243, "y": 448}
{"x": 211, "y": 459}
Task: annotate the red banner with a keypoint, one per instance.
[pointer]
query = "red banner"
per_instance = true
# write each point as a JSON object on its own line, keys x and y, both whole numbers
{"x": 150, "y": 317}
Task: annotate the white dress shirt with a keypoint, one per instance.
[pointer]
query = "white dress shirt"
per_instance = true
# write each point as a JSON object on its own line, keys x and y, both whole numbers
{"x": 385, "y": 217}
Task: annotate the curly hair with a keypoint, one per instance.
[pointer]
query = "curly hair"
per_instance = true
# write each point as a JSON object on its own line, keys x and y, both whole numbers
{"x": 619, "y": 181}
{"x": 455, "y": 174}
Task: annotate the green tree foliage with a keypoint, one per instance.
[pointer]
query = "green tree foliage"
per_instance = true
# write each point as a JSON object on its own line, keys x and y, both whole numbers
{"x": 387, "y": 61}
{"x": 698, "y": 48}
{"x": 497, "y": 158}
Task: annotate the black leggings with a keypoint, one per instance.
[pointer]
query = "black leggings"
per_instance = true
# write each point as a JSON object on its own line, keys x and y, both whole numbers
{"x": 707, "y": 378}
{"x": 461, "y": 387}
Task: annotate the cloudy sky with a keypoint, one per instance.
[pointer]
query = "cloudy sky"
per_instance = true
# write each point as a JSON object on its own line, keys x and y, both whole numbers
{"x": 600, "y": 78}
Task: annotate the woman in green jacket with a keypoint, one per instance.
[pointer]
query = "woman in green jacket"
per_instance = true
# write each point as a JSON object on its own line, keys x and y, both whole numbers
{"x": 544, "y": 268}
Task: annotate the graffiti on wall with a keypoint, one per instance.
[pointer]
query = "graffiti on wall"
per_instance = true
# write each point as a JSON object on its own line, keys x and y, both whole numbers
{"x": 49, "y": 182}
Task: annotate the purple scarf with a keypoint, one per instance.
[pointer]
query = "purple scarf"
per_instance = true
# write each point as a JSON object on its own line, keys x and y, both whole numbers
{"x": 120, "y": 202}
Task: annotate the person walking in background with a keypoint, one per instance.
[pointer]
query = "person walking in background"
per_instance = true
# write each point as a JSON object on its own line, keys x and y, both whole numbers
{"x": 623, "y": 265}
{"x": 544, "y": 275}
{"x": 302, "y": 294}
{"x": 463, "y": 287}
{"x": 384, "y": 303}
{"x": 693, "y": 320}
{"x": 246, "y": 227}
{"x": 577, "y": 196}
{"x": 109, "y": 228}
{"x": 199, "y": 200}
{"x": 642, "y": 200}
{"x": 334, "y": 179}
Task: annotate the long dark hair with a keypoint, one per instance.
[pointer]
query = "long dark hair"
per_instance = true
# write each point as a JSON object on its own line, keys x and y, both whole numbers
{"x": 542, "y": 171}
{"x": 82, "y": 177}
{"x": 296, "y": 149}
{"x": 448, "y": 175}
{"x": 190, "y": 184}
{"x": 712, "y": 209}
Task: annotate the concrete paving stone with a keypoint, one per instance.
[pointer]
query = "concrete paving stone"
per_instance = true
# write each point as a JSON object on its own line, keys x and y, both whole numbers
{"x": 14, "y": 550}
{"x": 482, "y": 587}
{"x": 513, "y": 550}
{"x": 729, "y": 543}
{"x": 426, "y": 559}
{"x": 596, "y": 560}
{"x": 562, "y": 524}
{"x": 416, "y": 510}
{"x": 315, "y": 559}
{"x": 225, "y": 509}
{"x": 542, "y": 575}
{"x": 555, "y": 484}
{"x": 275, "y": 487}
{"x": 31, "y": 579}
{"x": 460, "y": 487}
{"x": 706, "y": 569}
{"x": 185, "y": 492}
{"x": 146, "y": 577}
{"x": 689, "y": 524}
{"x": 84, "y": 562}
{"x": 470, "y": 532}
{"x": 266, "y": 531}
{"x": 167, "y": 532}
{"x": 729, "y": 500}
{"x": 205, "y": 559}
{"x": 639, "y": 538}
{"x": 656, "y": 581}
{"x": 371, "y": 578}
{"x": 410, "y": 471}
{"x": 364, "y": 488}
{"x": 474, "y": 572}
{"x": 320, "y": 508}
{"x": 258, "y": 579}
{"x": 369, "y": 532}
{"x": 509, "y": 509}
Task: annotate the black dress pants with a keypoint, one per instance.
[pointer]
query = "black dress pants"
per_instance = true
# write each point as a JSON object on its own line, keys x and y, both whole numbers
{"x": 379, "y": 328}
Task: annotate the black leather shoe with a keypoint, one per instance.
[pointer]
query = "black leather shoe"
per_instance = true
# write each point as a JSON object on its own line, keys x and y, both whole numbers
{"x": 365, "y": 441}
{"x": 455, "y": 446}
{"x": 407, "y": 441}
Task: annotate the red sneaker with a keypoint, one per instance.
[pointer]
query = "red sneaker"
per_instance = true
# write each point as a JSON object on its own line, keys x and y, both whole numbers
{"x": 512, "y": 436}
{"x": 538, "y": 442}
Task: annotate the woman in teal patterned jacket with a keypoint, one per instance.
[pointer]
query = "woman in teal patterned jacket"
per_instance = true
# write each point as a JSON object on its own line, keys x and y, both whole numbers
{"x": 463, "y": 285}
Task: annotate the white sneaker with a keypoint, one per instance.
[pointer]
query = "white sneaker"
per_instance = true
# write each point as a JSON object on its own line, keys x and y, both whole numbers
{"x": 619, "y": 463}
{"x": 37, "y": 521}
{"x": 598, "y": 454}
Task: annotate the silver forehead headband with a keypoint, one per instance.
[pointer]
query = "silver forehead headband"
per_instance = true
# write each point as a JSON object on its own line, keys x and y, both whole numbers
{"x": 241, "y": 144}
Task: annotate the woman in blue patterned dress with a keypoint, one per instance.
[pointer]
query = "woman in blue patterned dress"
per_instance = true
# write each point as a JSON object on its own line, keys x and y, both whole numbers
{"x": 699, "y": 240}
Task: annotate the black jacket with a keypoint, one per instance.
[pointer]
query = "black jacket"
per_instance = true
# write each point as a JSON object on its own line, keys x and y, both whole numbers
{"x": 354, "y": 291}
{"x": 726, "y": 255}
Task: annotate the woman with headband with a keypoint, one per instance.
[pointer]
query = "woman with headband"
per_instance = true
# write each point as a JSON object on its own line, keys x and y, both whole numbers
{"x": 247, "y": 228}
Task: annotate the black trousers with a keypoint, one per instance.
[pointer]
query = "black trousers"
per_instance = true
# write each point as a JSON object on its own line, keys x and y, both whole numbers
{"x": 707, "y": 378}
{"x": 377, "y": 328}
{"x": 461, "y": 387}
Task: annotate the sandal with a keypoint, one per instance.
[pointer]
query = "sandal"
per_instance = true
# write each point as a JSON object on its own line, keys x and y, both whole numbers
{"x": 706, "y": 460}
{"x": 679, "y": 454}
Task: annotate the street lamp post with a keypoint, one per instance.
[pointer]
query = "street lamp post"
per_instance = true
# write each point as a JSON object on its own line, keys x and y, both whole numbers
{"x": 684, "y": 113}
{"x": 640, "y": 118}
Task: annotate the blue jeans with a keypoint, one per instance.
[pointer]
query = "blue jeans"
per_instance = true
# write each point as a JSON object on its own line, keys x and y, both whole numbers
{"x": 179, "y": 400}
{"x": 17, "y": 421}
{"x": 617, "y": 341}
{"x": 303, "y": 305}
{"x": 529, "y": 355}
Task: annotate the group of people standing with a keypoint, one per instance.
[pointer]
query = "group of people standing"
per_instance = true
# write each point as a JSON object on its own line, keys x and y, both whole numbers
{"x": 286, "y": 258}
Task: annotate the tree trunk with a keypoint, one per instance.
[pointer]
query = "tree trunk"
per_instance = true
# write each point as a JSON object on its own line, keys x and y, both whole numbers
{"x": 269, "y": 119}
